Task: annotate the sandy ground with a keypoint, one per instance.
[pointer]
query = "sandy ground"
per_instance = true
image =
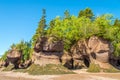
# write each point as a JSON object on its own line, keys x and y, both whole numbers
{"x": 81, "y": 75}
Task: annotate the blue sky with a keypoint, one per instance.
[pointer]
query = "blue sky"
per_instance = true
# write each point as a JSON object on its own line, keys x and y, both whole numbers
{"x": 19, "y": 18}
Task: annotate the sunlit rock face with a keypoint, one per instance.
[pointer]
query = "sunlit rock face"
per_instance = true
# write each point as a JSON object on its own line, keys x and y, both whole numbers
{"x": 84, "y": 52}
{"x": 48, "y": 51}
{"x": 93, "y": 50}
{"x": 100, "y": 48}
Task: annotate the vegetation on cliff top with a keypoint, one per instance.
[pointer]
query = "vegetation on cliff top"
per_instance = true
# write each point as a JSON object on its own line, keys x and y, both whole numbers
{"x": 70, "y": 29}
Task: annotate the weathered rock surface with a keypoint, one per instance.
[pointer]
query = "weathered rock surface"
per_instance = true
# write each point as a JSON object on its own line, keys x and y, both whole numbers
{"x": 67, "y": 60}
{"x": 94, "y": 50}
{"x": 43, "y": 58}
{"x": 39, "y": 44}
{"x": 14, "y": 56}
{"x": 49, "y": 45}
{"x": 47, "y": 51}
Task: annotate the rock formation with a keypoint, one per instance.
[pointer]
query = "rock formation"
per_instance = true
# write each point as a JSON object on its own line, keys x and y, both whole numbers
{"x": 47, "y": 51}
{"x": 94, "y": 50}
{"x": 14, "y": 56}
{"x": 48, "y": 45}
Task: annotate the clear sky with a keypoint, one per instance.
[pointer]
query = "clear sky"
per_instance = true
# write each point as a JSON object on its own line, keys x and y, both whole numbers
{"x": 19, "y": 18}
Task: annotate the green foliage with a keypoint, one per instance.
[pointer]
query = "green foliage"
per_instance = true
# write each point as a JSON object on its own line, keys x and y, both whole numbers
{"x": 3, "y": 58}
{"x": 67, "y": 15}
{"x": 94, "y": 68}
{"x": 117, "y": 49}
{"x": 117, "y": 23}
{"x": 87, "y": 13}
{"x": 40, "y": 31}
{"x": 72, "y": 29}
{"x": 49, "y": 69}
{"x": 23, "y": 46}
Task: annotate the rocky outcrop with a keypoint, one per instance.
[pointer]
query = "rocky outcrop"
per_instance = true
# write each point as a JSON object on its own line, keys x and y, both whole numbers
{"x": 94, "y": 50}
{"x": 47, "y": 51}
{"x": 39, "y": 44}
{"x": 14, "y": 56}
{"x": 44, "y": 44}
{"x": 43, "y": 58}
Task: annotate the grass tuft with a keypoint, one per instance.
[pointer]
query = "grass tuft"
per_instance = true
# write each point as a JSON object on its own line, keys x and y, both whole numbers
{"x": 111, "y": 70}
{"x": 94, "y": 68}
{"x": 8, "y": 68}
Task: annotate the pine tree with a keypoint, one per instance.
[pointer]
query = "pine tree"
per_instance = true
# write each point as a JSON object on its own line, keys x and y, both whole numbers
{"x": 40, "y": 31}
{"x": 87, "y": 13}
{"x": 66, "y": 14}
{"x": 117, "y": 23}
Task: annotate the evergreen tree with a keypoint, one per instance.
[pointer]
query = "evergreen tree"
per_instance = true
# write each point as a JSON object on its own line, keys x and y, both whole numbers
{"x": 87, "y": 13}
{"x": 66, "y": 14}
{"x": 117, "y": 23}
{"x": 40, "y": 31}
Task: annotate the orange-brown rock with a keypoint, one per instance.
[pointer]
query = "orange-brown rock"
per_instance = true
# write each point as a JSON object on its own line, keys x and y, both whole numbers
{"x": 94, "y": 50}
{"x": 48, "y": 45}
{"x": 48, "y": 51}
{"x": 44, "y": 58}
{"x": 14, "y": 56}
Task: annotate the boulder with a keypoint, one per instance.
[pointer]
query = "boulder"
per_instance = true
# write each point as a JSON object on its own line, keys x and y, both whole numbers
{"x": 14, "y": 56}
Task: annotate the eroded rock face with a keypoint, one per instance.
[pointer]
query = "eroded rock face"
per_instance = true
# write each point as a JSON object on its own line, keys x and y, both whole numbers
{"x": 101, "y": 49}
{"x": 67, "y": 60}
{"x": 94, "y": 50}
{"x": 39, "y": 44}
{"x": 44, "y": 58}
{"x": 48, "y": 45}
{"x": 14, "y": 56}
{"x": 47, "y": 51}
